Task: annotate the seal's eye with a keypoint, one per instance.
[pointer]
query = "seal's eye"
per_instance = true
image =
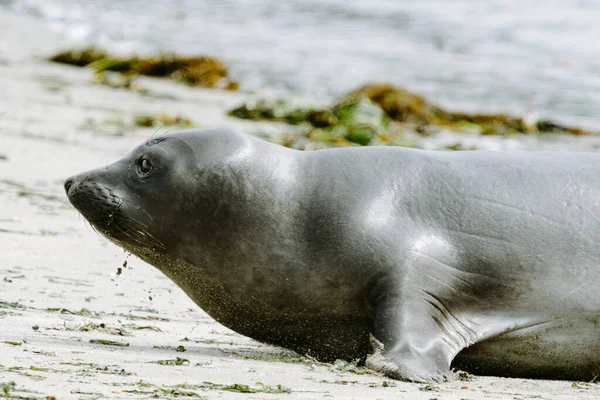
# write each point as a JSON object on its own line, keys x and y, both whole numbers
{"x": 145, "y": 166}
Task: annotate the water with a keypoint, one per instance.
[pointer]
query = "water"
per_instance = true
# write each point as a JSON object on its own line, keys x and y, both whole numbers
{"x": 539, "y": 57}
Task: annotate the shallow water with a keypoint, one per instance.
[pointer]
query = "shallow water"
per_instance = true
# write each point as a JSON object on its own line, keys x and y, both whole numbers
{"x": 525, "y": 57}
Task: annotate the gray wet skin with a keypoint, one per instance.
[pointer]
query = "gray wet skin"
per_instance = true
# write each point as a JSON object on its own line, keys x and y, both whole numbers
{"x": 486, "y": 261}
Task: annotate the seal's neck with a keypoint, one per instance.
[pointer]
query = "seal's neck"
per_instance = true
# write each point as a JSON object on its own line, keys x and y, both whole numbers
{"x": 248, "y": 207}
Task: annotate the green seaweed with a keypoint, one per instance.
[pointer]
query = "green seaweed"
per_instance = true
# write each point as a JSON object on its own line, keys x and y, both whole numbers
{"x": 146, "y": 309}
{"x": 242, "y": 388}
{"x": 281, "y": 357}
{"x": 7, "y": 387}
{"x": 267, "y": 110}
{"x": 380, "y": 114}
{"x": 147, "y": 327}
{"x": 403, "y": 106}
{"x": 101, "y": 327}
{"x": 176, "y": 361}
{"x": 354, "y": 121}
{"x": 12, "y": 305}
{"x": 149, "y": 121}
{"x": 42, "y": 369}
{"x": 83, "y": 312}
{"x": 187, "y": 389}
{"x": 459, "y": 147}
{"x": 341, "y": 366}
{"x": 109, "y": 342}
{"x": 200, "y": 71}
{"x": 144, "y": 317}
{"x": 79, "y": 58}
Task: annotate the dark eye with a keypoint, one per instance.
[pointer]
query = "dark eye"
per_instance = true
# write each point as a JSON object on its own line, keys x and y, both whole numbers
{"x": 145, "y": 166}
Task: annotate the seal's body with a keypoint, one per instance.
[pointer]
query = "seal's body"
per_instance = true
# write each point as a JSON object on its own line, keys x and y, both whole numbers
{"x": 486, "y": 260}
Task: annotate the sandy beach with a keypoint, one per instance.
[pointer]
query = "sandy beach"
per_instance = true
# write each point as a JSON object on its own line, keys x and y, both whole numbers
{"x": 80, "y": 319}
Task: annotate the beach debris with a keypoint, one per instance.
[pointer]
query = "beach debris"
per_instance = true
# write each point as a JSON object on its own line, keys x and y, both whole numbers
{"x": 458, "y": 146}
{"x": 14, "y": 343}
{"x": 176, "y": 361}
{"x": 185, "y": 389}
{"x": 7, "y": 387}
{"x": 381, "y": 114}
{"x": 109, "y": 342}
{"x": 147, "y": 327}
{"x": 149, "y": 121}
{"x": 403, "y": 106}
{"x": 201, "y": 71}
{"x": 79, "y": 58}
{"x": 243, "y": 388}
{"x": 352, "y": 121}
{"x": 87, "y": 326}
{"x": 398, "y": 104}
{"x": 277, "y": 110}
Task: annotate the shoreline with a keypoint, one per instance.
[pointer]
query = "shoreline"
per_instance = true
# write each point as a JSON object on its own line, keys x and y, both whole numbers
{"x": 60, "y": 287}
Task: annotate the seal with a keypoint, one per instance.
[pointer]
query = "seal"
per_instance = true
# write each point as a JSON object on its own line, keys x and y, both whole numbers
{"x": 413, "y": 261}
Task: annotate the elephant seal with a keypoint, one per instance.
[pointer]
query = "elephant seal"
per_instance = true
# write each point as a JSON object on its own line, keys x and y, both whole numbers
{"x": 483, "y": 261}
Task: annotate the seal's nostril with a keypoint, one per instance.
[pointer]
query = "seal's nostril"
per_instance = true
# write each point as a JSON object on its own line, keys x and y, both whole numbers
{"x": 68, "y": 183}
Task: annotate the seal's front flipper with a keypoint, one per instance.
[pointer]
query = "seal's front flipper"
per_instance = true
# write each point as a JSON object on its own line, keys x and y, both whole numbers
{"x": 412, "y": 340}
{"x": 413, "y": 369}
{"x": 424, "y": 316}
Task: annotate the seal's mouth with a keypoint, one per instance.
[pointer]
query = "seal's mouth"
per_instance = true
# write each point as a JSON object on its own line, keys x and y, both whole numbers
{"x": 98, "y": 204}
{"x": 107, "y": 212}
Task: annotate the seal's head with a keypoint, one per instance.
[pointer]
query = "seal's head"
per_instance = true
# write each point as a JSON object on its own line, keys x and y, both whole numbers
{"x": 131, "y": 200}
{"x": 170, "y": 192}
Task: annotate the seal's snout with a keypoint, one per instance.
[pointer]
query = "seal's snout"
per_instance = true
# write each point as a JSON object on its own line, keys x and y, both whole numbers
{"x": 68, "y": 184}
{"x": 75, "y": 183}
{"x": 97, "y": 202}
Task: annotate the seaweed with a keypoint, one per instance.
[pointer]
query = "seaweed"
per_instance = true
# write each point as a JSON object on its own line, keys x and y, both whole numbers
{"x": 88, "y": 326}
{"x": 79, "y": 58}
{"x": 185, "y": 389}
{"x": 403, "y": 106}
{"x": 352, "y": 121}
{"x": 242, "y": 388}
{"x": 148, "y": 327}
{"x": 13, "y": 343}
{"x": 109, "y": 342}
{"x": 176, "y": 361}
{"x": 398, "y": 104}
{"x": 149, "y": 121}
{"x": 266, "y": 110}
{"x": 199, "y": 71}
{"x": 7, "y": 387}
{"x": 376, "y": 114}
{"x": 283, "y": 356}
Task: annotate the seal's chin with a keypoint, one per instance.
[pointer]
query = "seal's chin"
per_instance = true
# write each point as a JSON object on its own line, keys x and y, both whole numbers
{"x": 107, "y": 212}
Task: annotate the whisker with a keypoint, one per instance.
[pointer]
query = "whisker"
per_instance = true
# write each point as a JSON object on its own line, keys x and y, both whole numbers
{"x": 135, "y": 239}
{"x": 150, "y": 239}
{"x": 137, "y": 206}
